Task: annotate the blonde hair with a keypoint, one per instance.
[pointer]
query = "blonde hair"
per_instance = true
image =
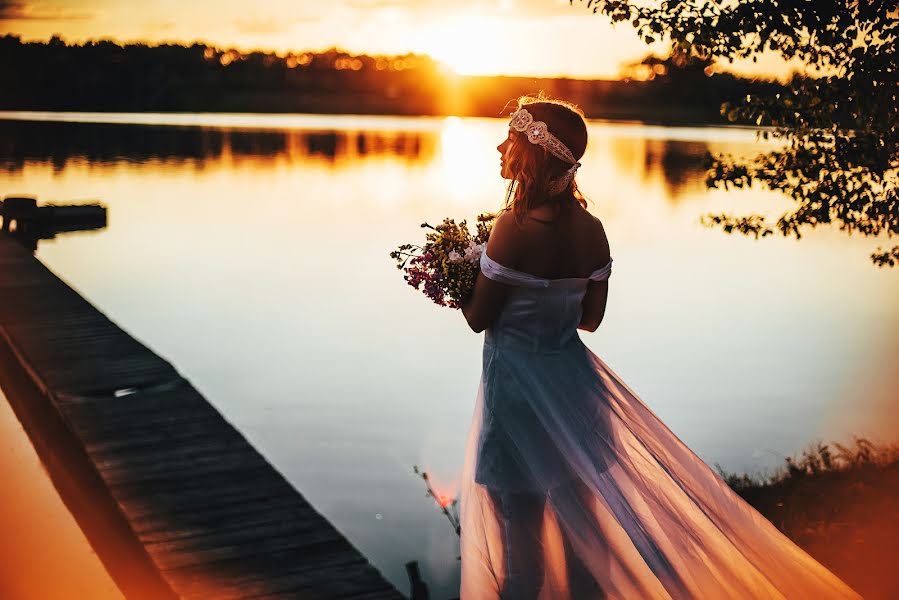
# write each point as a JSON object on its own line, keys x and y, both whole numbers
{"x": 532, "y": 166}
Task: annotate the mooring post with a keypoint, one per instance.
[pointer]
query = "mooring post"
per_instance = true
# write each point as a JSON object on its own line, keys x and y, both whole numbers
{"x": 419, "y": 588}
{"x": 18, "y": 210}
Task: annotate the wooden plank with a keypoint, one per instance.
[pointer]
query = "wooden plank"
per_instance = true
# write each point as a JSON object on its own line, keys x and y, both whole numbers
{"x": 301, "y": 582}
{"x": 147, "y": 439}
{"x": 122, "y": 429}
{"x": 197, "y": 508}
{"x": 289, "y": 575}
{"x": 184, "y": 518}
{"x": 217, "y": 484}
{"x": 202, "y": 507}
{"x": 237, "y": 572}
{"x": 246, "y": 542}
{"x": 242, "y": 541}
{"x": 84, "y": 375}
{"x": 123, "y": 415}
{"x": 174, "y": 394}
{"x": 171, "y": 456}
{"x": 247, "y": 519}
{"x": 222, "y": 463}
{"x": 65, "y": 345}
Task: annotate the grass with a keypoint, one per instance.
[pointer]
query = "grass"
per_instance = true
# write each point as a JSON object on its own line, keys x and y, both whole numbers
{"x": 841, "y": 505}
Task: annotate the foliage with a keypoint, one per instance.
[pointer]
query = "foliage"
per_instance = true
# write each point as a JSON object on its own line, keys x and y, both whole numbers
{"x": 837, "y": 124}
{"x": 819, "y": 459}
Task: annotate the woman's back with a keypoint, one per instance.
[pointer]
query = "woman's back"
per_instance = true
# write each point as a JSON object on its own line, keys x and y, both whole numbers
{"x": 569, "y": 243}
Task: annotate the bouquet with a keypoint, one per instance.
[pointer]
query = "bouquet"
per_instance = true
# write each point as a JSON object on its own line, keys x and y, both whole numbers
{"x": 446, "y": 267}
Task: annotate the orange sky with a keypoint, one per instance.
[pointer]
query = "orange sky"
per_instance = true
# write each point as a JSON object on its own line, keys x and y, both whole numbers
{"x": 514, "y": 37}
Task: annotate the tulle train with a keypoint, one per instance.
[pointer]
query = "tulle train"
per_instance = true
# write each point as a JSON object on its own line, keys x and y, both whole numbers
{"x": 572, "y": 488}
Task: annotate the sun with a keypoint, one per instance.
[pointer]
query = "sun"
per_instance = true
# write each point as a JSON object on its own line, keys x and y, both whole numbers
{"x": 468, "y": 45}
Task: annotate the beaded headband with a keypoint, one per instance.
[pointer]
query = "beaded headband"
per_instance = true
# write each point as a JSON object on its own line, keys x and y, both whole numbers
{"x": 538, "y": 133}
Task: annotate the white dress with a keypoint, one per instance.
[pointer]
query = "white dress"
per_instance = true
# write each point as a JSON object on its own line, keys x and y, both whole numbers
{"x": 573, "y": 488}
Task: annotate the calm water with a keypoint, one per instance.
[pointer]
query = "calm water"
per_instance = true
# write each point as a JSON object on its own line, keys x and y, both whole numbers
{"x": 39, "y": 534}
{"x": 252, "y": 252}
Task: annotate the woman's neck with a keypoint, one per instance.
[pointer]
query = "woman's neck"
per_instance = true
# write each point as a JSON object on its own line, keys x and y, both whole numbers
{"x": 559, "y": 203}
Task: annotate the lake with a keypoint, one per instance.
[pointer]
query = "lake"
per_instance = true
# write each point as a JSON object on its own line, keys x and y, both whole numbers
{"x": 251, "y": 251}
{"x": 40, "y": 535}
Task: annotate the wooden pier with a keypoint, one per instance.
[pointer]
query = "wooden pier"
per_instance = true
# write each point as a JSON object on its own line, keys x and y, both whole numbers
{"x": 145, "y": 456}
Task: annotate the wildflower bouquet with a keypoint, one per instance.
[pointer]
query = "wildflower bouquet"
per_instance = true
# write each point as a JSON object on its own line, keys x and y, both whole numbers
{"x": 446, "y": 267}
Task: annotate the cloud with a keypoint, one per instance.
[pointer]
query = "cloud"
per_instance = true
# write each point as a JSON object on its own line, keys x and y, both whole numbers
{"x": 505, "y": 8}
{"x": 160, "y": 26}
{"x": 10, "y": 9}
{"x": 261, "y": 25}
{"x": 270, "y": 25}
{"x": 378, "y": 4}
{"x": 19, "y": 10}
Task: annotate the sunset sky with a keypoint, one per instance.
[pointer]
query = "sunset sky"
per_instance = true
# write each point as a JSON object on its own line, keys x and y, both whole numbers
{"x": 513, "y": 37}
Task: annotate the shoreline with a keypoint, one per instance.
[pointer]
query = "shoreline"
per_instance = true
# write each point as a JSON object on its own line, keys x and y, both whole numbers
{"x": 176, "y": 118}
{"x": 839, "y": 506}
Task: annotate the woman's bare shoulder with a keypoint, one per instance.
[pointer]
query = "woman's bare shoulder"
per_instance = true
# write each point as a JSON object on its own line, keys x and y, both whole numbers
{"x": 507, "y": 239}
{"x": 598, "y": 240}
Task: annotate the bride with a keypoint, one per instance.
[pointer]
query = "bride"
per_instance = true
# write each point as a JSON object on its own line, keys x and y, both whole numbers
{"x": 572, "y": 488}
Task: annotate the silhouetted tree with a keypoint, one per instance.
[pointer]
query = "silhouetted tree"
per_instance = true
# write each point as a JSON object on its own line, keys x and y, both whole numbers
{"x": 837, "y": 122}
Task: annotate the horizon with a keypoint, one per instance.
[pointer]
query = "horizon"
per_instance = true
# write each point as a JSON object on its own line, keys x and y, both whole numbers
{"x": 497, "y": 38}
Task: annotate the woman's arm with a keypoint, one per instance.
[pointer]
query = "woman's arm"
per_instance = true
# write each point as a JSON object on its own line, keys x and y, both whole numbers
{"x": 488, "y": 297}
{"x": 594, "y": 305}
{"x": 485, "y": 303}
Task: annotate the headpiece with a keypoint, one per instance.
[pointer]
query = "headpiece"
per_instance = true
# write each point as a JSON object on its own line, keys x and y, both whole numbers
{"x": 538, "y": 133}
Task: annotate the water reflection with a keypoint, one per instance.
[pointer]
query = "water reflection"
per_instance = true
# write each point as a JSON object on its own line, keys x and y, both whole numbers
{"x": 677, "y": 166}
{"x": 106, "y": 143}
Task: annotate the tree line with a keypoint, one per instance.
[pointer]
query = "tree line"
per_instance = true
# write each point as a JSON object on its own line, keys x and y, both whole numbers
{"x": 107, "y": 76}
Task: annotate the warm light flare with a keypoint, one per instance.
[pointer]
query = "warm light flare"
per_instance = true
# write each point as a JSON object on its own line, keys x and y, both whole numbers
{"x": 469, "y": 45}
{"x": 444, "y": 492}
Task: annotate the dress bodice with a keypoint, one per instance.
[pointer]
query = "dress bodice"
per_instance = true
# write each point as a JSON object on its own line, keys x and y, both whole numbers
{"x": 540, "y": 315}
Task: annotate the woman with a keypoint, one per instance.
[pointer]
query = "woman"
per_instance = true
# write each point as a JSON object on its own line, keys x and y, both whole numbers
{"x": 571, "y": 486}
